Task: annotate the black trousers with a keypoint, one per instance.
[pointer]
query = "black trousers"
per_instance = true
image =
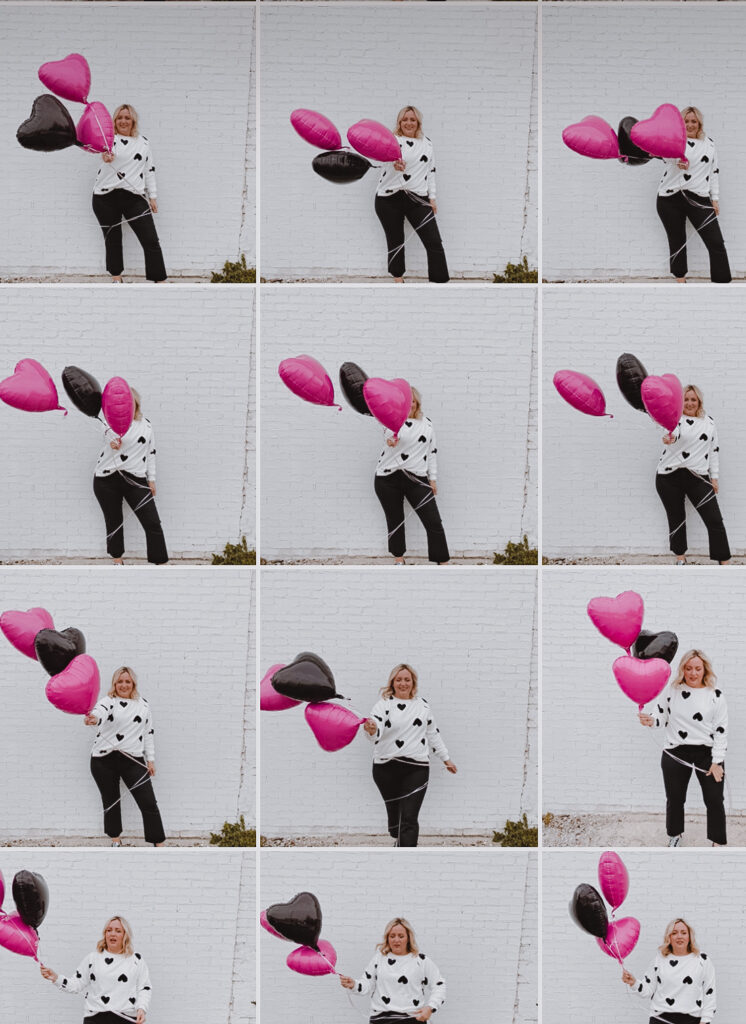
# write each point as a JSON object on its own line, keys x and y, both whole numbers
{"x": 397, "y": 782}
{"x": 107, "y": 772}
{"x": 672, "y": 489}
{"x": 674, "y": 1018}
{"x": 673, "y": 212}
{"x": 391, "y": 491}
{"x": 392, "y": 211}
{"x": 676, "y": 781}
{"x": 109, "y": 209}
{"x": 110, "y": 491}
{"x": 105, "y": 1018}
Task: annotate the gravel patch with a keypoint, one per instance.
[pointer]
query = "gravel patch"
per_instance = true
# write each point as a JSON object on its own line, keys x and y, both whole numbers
{"x": 102, "y": 841}
{"x": 364, "y": 839}
{"x": 636, "y": 560}
{"x": 632, "y": 829}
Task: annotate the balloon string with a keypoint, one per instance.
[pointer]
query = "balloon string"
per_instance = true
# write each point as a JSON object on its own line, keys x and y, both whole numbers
{"x": 425, "y": 500}
{"x": 708, "y": 220}
{"x": 423, "y": 202}
{"x": 688, "y": 764}
{"x": 132, "y": 511}
{"x": 103, "y": 133}
{"x": 708, "y": 497}
{"x": 140, "y": 782}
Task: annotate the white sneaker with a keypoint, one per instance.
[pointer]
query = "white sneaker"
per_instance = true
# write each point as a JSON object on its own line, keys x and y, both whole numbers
{"x": 675, "y": 840}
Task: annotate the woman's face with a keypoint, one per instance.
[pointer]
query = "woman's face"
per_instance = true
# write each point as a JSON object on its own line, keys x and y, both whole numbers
{"x": 694, "y": 672}
{"x": 124, "y": 122}
{"x": 691, "y": 403}
{"x": 693, "y": 127}
{"x": 124, "y": 686}
{"x": 398, "y": 940}
{"x": 409, "y": 124}
{"x": 114, "y": 936}
{"x": 680, "y": 937}
{"x": 403, "y": 684}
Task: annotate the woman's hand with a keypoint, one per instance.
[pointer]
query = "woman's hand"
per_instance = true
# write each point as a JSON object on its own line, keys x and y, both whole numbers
{"x": 627, "y": 978}
{"x": 151, "y": 768}
{"x": 451, "y": 767}
{"x": 370, "y": 727}
{"x": 646, "y": 719}
{"x": 346, "y": 982}
{"x": 668, "y": 439}
{"x": 682, "y": 164}
{"x": 107, "y": 157}
{"x": 151, "y": 485}
{"x": 392, "y": 442}
{"x": 425, "y": 1013}
{"x": 154, "y": 206}
{"x": 433, "y": 486}
{"x": 48, "y": 973}
{"x": 717, "y": 772}
{"x": 716, "y": 207}
{"x": 714, "y": 485}
{"x": 434, "y": 206}
{"x": 140, "y": 1017}
{"x": 400, "y": 165}
{"x": 90, "y": 720}
{"x": 116, "y": 444}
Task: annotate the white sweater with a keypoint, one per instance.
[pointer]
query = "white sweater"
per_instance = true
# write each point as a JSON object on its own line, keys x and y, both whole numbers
{"x": 702, "y": 176}
{"x": 402, "y": 984}
{"x": 696, "y": 447}
{"x": 131, "y": 169}
{"x": 111, "y": 982}
{"x": 694, "y": 715}
{"x": 415, "y": 450}
{"x": 405, "y": 728}
{"x": 419, "y": 174}
{"x": 125, "y": 725}
{"x": 680, "y": 985}
{"x": 137, "y": 454}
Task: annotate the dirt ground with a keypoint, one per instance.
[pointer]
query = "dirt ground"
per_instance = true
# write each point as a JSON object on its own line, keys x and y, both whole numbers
{"x": 364, "y": 839}
{"x": 638, "y": 560}
{"x": 77, "y": 841}
{"x": 632, "y": 830}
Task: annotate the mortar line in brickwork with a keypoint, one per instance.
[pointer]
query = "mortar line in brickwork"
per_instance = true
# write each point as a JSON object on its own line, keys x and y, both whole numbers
{"x": 531, "y": 135}
{"x": 248, "y": 432}
{"x": 247, "y": 142}
{"x": 248, "y": 689}
{"x": 532, "y": 699}
{"x": 531, "y": 412}
{"x": 523, "y": 944}
{"x": 236, "y": 965}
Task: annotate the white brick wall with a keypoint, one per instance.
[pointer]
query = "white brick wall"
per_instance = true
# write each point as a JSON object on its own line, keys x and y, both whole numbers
{"x": 596, "y": 755}
{"x": 469, "y": 912}
{"x": 469, "y": 69}
{"x": 599, "y": 216}
{"x": 599, "y": 475}
{"x": 582, "y": 983}
{"x": 190, "y": 355}
{"x": 190, "y": 636}
{"x": 460, "y": 350}
{"x": 192, "y": 922}
{"x": 189, "y": 72}
{"x": 475, "y": 676}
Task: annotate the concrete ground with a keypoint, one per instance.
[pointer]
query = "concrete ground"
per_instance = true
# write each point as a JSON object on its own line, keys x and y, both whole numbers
{"x": 101, "y": 841}
{"x": 379, "y": 560}
{"x": 382, "y": 279}
{"x": 207, "y": 560}
{"x": 632, "y": 829}
{"x": 625, "y": 280}
{"x": 636, "y": 560}
{"x": 103, "y": 279}
{"x": 365, "y": 839}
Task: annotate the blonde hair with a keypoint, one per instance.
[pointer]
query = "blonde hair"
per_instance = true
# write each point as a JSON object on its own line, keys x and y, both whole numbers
{"x": 137, "y": 415}
{"x": 133, "y": 114}
{"x": 115, "y": 679}
{"x": 709, "y": 678}
{"x": 400, "y": 115}
{"x": 666, "y": 949}
{"x": 411, "y": 941}
{"x": 128, "y": 943}
{"x": 698, "y": 114}
{"x": 388, "y": 689}
{"x": 700, "y": 398}
{"x": 417, "y": 403}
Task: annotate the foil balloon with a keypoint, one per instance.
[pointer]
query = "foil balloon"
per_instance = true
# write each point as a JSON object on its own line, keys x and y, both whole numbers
{"x": 31, "y": 897}
{"x": 641, "y": 681}
{"x": 613, "y": 879}
{"x": 316, "y": 129}
{"x": 118, "y": 405}
{"x": 581, "y": 392}
{"x": 618, "y": 618}
{"x": 307, "y": 379}
{"x": 48, "y": 128}
{"x": 592, "y": 137}
{"x": 311, "y": 962}
{"x": 95, "y": 129}
{"x": 340, "y": 167}
{"x": 83, "y": 390}
{"x": 268, "y": 927}
{"x": 351, "y": 380}
{"x": 75, "y": 689}
{"x": 629, "y": 153}
{"x": 269, "y": 698}
{"x": 630, "y": 373}
{"x": 662, "y": 134}
{"x": 588, "y": 910}
{"x": 56, "y": 650}
{"x": 333, "y": 725}
{"x": 30, "y": 389}
{"x": 374, "y": 140}
{"x": 20, "y": 628}
{"x": 2, "y": 892}
{"x": 656, "y": 645}
{"x": 390, "y": 401}
{"x": 663, "y": 398}
{"x": 308, "y": 678}
{"x": 621, "y": 938}
{"x": 69, "y": 78}
{"x": 298, "y": 920}
{"x": 18, "y": 937}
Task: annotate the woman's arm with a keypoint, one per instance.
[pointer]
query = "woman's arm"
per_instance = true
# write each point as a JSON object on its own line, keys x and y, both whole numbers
{"x": 715, "y": 178}
{"x": 643, "y": 987}
{"x": 150, "y": 463}
{"x": 143, "y": 988}
{"x": 75, "y": 983}
{"x": 436, "y": 983}
{"x": 431, "y": 184}
{"x": 714, "y": 459}
{"x": 361, "y": 986}
{"x": 434, "y": 738}
{"x": 377, "y": 718}
{"x": 151, "y": 189}
{"x": 719, "y": 729}
{"x": 148, "y": 736}
{"x": 708, "y": 990}
{"x": 432, "y": 458}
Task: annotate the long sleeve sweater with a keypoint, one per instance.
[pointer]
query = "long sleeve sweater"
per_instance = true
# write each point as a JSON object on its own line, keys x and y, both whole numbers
{"x": 136, "y": 455}
{"x": 112, "y": 982}
{"x": 702, "y": 176}
{"x": 125, "y": 725}
{"x": 405, "y": 729}
{"x": 419, "y": 174}
{"x": 694, "y": 715}
{"x": 683, "y": 984}
{"x": 402, "y": 984}
{"x": 132, "y": 168}
{"x": 695, "y": 447}
{"x": 415, "y": 451}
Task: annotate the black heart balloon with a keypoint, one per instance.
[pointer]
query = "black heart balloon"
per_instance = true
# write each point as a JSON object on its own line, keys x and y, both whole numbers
{"x": 340, "y": 166}
{"x": 299, "y": 920}
{"x": 588, "y": 910}
{"x": 31, "y": 897}
{"x": 307, "y": 677}
{"x": 630, "y": 373}
{"x": 50, "y": 126}
{"x": 83, "y": 390}
{"x": 56, "y": 650}
{"x": 630, "y": 153}
{"x": 656, "y": 645}
{"x": 351, "y": 380}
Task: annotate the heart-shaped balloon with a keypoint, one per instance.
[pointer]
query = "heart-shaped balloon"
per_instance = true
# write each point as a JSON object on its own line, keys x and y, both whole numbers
{"x": 307, "y": 378}
{"x": 332, "y": 725}
{"x": 56, "y": 650}
{"x": 629, "y": 153}
{"x": 390, "y": 401}
{"x": 618, "y": 618}
{"x": 663, "y": 397}
{"x": 663, "y": 134}
{"x": 656, "y": 645}
{"x": 592, "y": 137}
{"x": 31, "y": 897}
{"x": 268, "y": 927}
{"x": 30, "y": 388}
{"x": 83, "y": 390}
{"x": 588, "y": 910}
{"x": 269, "y": 698}
{"x": 621, "y": 938}
{"x": 374, "y": 140}
{"x": 18, "y": 937}
{"x": 2, "y": 892}
{"x": 630, "y": 373}
{"x": 307, "y": 678}
{"x": 75, "y": 689}
{"x": 581, "y": 392}
{"x": 95, "y": 129}
{"x": 20, "y": 628}
{"x": 340, "y": 166}
{"x": 641, "y": 681}
{"x": 69, "y": 78}
{"x": 351, "y": 380}
{"x": 49, "y": 127}
{"x": 315, "y": 128}
{"x": 305, "y": 960}
{"x": 299, "y": 920}
{"x": 118, "y": 405}
{"x": 613, "y": 878}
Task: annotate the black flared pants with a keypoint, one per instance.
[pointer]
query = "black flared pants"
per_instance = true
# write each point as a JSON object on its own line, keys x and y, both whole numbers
{"x": 110, "y": 492}
{"x": 403, "y": 785}
{"x": 392, "y": 212}
{"x": 391, "y": 491}
{"x": 110, "y": 208}
{"x": 672, "y": 489}
{"x": 673, "y": 212}
{"x": 111, "y": 769}
{"x": 676, "y": 778}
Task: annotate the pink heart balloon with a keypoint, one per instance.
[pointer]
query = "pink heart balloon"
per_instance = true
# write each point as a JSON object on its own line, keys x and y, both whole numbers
{"x": 268, "y": 927}
{"x": 613, "y": 878}
{"x": 18, "y": 937}
{"x": 581, "y": 392}
{"x": 69, "y": 78}
{"x": 390, "y": 401}
{"x": 374, "y": 140}
{"x": 641, "y": 680}
{"x": 307, "y": 379}
{"x": 269, "y": 698}
{"x": 305, "y": 960}
{"x": 663, "y": 397}
{"x": 74, "y": 690}
{"x": 662, "y": 134}
{"x": 592, "y": 137}
{"x": 2, "y": 892}
{"x": 95, "y": 129}
{"x": 118, "y": 405}
{"x": 618, "y": 618}
{"x": 30, "y": 388}
{"x": 20, "y": 628}
{"x": 316, "y": 129}
{"x": 621, "y": 938}
{"x": 333, "y": 725}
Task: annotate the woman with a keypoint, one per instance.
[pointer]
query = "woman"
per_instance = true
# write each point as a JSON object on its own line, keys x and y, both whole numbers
{"x": 112, "y": 484}
{"x": 114, "y": 977}
{"x": 689, "y": 468}
{"x": 404, "y": 984}
{"x": 406, "y": 189}
{"x": 404, "y": 732}
{"x": 694, "y": 719}
{"x": 407, "y": 468}
{"x": 124, "y": 749}
{"x": 680, "y": 984}
{"x": 690, "y": 187}
{"x": 125, "y": 187}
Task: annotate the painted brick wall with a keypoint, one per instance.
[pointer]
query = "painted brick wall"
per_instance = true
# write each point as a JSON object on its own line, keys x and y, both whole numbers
{"x": 189, "y": 72}
{"x": 459, "y": 350}
{"x": 469, "y": 69}
{"x": 599, "y": 475}
{"x": 469, "y": 637}
{"x": 581, "y": 983}
{"x": 469, "y": 911}
{"x": 191, "y": 355}
{"x": 193, "y": 925}
{"x": 588, "y": 723}
{"x": 190, "y": 636}
{"x": 599, "y": 216}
